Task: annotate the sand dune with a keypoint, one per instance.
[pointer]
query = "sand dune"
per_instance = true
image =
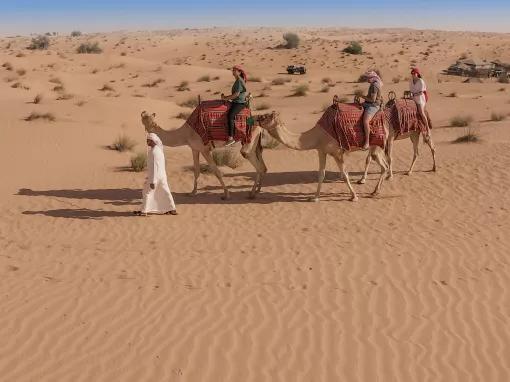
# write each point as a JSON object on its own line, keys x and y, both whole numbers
{"x": 409, "y": 286}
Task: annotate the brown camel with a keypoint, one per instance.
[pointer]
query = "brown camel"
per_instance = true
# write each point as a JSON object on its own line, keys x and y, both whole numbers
{"x": 415, "y": 139}
{"x": 317, "y": 139}
{"x": 186, "y": 136}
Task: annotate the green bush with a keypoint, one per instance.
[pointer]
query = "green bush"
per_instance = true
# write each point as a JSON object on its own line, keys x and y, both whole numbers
{"x": 139, "y": 162}
{"x": 470, "y": 137}
{"x": 89, "y": 48}
{"x": 291, "y": 40}
{"x": 300, "y": 90}
{"x": 123, "y": 143}
{"x": 353, "y": 48}
{"x": 39, "y": 42}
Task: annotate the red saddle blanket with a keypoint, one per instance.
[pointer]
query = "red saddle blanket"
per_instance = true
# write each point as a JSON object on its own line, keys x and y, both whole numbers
{"x": 210, "y": 121}
{"x": 404, "y": 117}
{"x": 344, "y": 122}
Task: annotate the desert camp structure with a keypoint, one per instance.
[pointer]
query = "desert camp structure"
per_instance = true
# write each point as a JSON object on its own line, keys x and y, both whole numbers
{"x": 470, "y": 67}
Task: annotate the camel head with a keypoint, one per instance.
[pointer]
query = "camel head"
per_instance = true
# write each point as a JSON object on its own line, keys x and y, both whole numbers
{"x": 148, "y": 121}
{"x": 269, "y": 121}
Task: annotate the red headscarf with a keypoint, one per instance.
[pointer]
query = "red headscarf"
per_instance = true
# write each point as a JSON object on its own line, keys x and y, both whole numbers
{"x": 416, "y": 71}
{"x": 243, "y": 73}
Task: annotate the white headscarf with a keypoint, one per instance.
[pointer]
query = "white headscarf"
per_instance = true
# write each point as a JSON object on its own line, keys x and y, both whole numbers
{"x": 154, "y": 138}
{"x": 373, "y": 78}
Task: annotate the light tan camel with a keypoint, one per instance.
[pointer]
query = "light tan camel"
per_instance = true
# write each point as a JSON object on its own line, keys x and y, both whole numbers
{"x": 186, "y": 136}
{"x": 317, "y": 139}
{"x": 415, "y": 139}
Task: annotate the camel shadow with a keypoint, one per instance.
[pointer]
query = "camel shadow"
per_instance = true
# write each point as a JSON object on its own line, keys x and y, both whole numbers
{"x": 115, "y": 196}
{"x": 80, "y": 213}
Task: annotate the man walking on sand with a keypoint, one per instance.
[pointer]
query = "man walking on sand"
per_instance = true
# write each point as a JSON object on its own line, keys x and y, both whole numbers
{"x": 157, "y": 198}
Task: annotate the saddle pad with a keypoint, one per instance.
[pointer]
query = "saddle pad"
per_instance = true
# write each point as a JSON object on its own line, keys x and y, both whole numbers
{"x": 210, "y": 121}
{"x": 344, "y": 122}
{"x": 404, "y": 117}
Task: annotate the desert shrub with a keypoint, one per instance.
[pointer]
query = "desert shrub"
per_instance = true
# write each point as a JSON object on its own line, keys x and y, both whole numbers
{"x": 183, "y": 86}
{"x": 38, "y": 98}
{"x": 205, "y": 78}
{"x": 503, "y": 80}
{"x": 353, "y": 48}
{"x": 123, "y": 143}
{"x": 471, "y": 136}
{"x": 254, "y": 79}
{"x": 139, "y": 162}
{"x": 106, "y": 88}
{"x": 183, "y": 115}
{"x": 55, "y": 80}
{"x": 59, "y": 88}
{"x": 396, "y": 79}
{"x": 154, "y": 83}
{"x": 496, "y": 117}
{"x": 191, "y": 102}
{"x": 279, "y": 81}
{"x": 16, "y": 85}
{"x": 327, "y": 80}
{"x": 263, "y": 106}
{"x": 34, "y": 115}
{"x": 227, "y": 157}
{"x": 89, "y": 47}
{"x": 65, "y": 97}
{"x": 300, "y": 90}
{"x": 39, "y": 42}
{"x": 8, "y": 66}
{"x": 291, "y": 40}
{"x": 461, "y": 121}
{"x": 21, "y": 72}
{"x": 452, "y": 95}
{"x": 75, "y": 34}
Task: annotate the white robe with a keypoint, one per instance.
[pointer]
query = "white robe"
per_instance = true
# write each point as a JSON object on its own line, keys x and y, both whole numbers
{"x": 417, "y": 87}
{"x": 160, "y": 199}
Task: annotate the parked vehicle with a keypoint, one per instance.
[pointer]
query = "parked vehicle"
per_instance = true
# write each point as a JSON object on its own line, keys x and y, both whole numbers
{"x": 293, "y": 69}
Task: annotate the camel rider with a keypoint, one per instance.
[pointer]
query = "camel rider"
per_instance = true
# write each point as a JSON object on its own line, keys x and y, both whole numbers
{"x": 237, "y": 99}
{"x": 418, "y": 90}
{"x": 372, "y": 104}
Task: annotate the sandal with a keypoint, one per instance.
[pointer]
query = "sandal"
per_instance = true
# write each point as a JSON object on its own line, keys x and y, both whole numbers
{"x": 173, "y": 212}
{"x": 139, "y": 213}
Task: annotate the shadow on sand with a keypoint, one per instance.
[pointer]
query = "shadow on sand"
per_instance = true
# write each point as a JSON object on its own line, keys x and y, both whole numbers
{"x": 210, "y": 194}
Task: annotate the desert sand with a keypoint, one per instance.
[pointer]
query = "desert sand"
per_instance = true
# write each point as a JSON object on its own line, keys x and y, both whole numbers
{"x": 410, "y": 286}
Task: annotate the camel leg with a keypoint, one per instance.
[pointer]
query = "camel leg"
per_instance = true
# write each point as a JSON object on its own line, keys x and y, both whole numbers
{"x": 208, "y": 157}
{"x": 196, "y": 171}
{"x": 389, "y": 157}
{"x": 415, "y": 138}
{"x": 259, "y": 168}
{"x": 432, "y": 147}
{"x": 321, "y": 174}
{"x": 339, "y": 159}
{"x": 367, "y": 164}
{"x": 380, "y": 158}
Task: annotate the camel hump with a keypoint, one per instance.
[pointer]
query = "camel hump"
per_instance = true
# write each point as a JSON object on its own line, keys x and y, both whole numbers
{"x": 405, "y": 118}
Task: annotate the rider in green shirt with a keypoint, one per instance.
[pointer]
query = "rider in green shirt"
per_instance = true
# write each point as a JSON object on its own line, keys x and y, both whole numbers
{"x": 238, "y": 100}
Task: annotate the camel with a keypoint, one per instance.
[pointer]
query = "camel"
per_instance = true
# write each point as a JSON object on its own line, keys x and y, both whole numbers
{"x": 415, "y": 139}
{"x": 186, "y": 136}
{"x": 317, "y": 139}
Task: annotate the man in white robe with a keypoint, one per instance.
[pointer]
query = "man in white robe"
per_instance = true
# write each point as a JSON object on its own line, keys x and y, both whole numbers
{"x": 157, "y": 197}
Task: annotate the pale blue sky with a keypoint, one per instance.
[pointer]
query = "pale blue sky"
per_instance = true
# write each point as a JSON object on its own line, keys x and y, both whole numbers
{"x": 32, "y": 16}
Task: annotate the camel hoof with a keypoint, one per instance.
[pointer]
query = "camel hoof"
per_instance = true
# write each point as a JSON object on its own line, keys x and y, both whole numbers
{"x": 434, "y": 169}
{"x": 409, "y": 173}
{"x": 354, "y": 198}
{"x": 374, "y": 194}
{"x": 362, "y": 181}
{"x": 314, "y": 199}
{"x": 389, "y": 178}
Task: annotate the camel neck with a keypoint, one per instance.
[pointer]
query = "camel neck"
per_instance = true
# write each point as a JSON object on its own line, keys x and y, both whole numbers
{"x": 173, "y": 138}
{"x": 304, "y": 141}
